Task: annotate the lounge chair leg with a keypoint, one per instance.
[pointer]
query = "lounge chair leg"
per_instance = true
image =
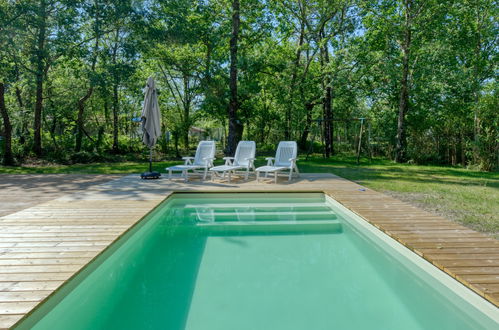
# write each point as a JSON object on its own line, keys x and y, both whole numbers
{"x": 229, "y": 176}
{"x": 290, "y": 174}
{"x": 275, "y": 177}
{"x": 257, "y": 177}
{"x": 205, "y": 173}
{"x": 184, "y": 173}
{"x": 247, "y": 174}
{"x": 169, "y": 174}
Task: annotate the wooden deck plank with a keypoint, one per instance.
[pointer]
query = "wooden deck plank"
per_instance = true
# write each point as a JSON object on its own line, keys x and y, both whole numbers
{"x": 21, "y": 307}
{"x": 45, "y": 261}
{"x": 6, "y": 321}
{"x": 30, "y": 285}
{"x": 460, "y": 256}
{"x": 478, "y": 270}
{"x": 451, "y": 245}
{"x": 45, "y": 255}
{"x": 492, "y": 251}
{"x": 34, "y": 277}
{"x": 481, "y": 278}
{"x": 59, "y": 244}
{"x": 82, "y": 248}
{"x": 21, "y": 296}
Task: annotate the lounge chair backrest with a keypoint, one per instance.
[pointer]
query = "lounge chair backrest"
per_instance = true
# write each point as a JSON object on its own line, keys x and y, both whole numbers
{"x": 244, "y": 150}
{"x": 205, "y": 149}
{"x": 285, "y": 151}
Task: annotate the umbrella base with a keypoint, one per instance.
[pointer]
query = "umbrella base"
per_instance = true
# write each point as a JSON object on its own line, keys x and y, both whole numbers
{"x": 150, "y": 175}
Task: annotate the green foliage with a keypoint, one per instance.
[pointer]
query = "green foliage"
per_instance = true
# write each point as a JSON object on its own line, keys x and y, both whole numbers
{"x": 108, "y": 49}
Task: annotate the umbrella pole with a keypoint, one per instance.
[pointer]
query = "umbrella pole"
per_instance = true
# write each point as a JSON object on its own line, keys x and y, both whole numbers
{"x": 150, "y": 174}
{"x": 150, "y": 159}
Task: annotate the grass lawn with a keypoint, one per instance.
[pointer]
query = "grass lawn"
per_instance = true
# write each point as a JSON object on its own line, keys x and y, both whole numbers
{"x": 468, "y": 197}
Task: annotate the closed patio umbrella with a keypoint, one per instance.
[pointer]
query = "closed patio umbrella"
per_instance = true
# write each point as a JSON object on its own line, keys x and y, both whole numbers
{"x": 150, "y": 124}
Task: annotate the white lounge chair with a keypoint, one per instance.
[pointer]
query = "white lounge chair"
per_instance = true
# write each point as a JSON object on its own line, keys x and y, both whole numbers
{"x": 205, "y": 154}
{"x": 285, "y": 159}
{"x": 242, "y": 160}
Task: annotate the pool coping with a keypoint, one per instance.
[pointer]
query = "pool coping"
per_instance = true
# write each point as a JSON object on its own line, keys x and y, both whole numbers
{"x": 133, "y": 199}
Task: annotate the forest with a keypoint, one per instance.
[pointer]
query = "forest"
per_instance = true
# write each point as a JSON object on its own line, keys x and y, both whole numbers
{"x": 409, "y": 80}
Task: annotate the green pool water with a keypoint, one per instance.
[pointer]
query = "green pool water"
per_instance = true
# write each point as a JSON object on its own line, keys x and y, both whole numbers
{"x": 258, "y": 261}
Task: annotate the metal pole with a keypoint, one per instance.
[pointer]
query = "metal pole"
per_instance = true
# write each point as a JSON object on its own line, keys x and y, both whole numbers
{"x": 150, "y": 159}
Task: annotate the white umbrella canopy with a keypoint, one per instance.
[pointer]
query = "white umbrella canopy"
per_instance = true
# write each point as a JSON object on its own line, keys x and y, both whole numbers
{"x": 151, "y": 124}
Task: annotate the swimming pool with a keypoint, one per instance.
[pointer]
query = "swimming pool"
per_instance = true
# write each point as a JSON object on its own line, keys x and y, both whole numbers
{"x": 260, "y": 261}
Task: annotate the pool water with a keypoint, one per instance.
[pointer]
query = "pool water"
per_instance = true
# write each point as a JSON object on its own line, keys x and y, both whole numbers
{"x": 255, "y": 261}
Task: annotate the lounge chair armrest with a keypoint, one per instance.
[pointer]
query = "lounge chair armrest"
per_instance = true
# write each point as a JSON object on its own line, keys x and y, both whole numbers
{"x": 228, "y": 160}
{"x": 188, "y": 160}
{"x": 270, "y": 161}
{"x": 293, "y": 159}
{"x": 209, "y": 160}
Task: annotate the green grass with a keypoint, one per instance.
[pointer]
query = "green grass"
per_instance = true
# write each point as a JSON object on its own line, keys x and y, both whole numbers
{"x": 466, "y": 196}
{"x": 95, "y": 168}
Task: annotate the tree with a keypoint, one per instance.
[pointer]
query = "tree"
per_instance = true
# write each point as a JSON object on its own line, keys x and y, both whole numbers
{"x": 46, "y": 32}
{"x": 8, "y": 158}
{"x": 235, "y": 126}
{"x": 8, "y": 13}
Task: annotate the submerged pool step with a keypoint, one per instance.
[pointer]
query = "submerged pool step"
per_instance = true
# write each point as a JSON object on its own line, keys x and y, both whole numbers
{"x": 265, "y": 227}
{"x": 236, "y": 198}
{"x": 252, "y": 215}
{"x": 264, "y": 205}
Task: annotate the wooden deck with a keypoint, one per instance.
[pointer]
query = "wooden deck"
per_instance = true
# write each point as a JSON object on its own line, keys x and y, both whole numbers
{"x": 43, "y": 246}
{"x": 20, "y": 191}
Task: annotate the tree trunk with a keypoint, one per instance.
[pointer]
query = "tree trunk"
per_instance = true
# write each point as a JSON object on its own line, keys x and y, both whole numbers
{"x": 175, "y": 143}
{"x": 19, "y": 98}
{"x": 90, "y": 90}
{"x": 476, "y": 85}
{"x": 327, "y": 105}
{"x": 463, "y": 149}
{"x": 52, "y": 131}
{"x": 186, "y": 113}
{"x": 235, "y": 126}
{"x": 115, "y": 117}
{"x": 8, "y": 158}
{"x": 401, "y": 144}
{"x": 308, "y": 122}
{"x": 328, "y": 122}
{"x": 106, "y": 111}
{"x": 115, "y": 97}
{"x": 39, "y": 77}
{"x": 296, "y": 64}
{"x": 80, "y": 119}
